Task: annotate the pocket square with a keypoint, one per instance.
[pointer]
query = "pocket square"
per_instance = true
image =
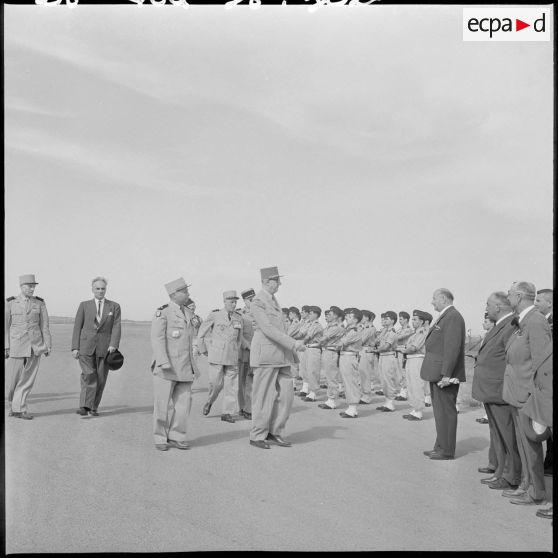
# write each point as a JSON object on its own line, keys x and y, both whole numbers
{"x": 110, "y": 313}
{"x": 437, "y": 327}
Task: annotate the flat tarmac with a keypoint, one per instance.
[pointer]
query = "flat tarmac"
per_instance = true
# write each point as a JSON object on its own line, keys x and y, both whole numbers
{"x": 97, "y": 484}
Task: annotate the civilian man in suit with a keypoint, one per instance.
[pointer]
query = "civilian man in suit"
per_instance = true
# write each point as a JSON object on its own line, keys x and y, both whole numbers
{"x": 96, "y": 333}
{"x": 173, "y": 366}
{"x": 26, "y": 338}
{"x": 271, "y": 354}
{"x": 223, "y": 351}
{"x": 524, "y": 348}
{"x": 488, "y": 382}
{"x": 444, "y": 368}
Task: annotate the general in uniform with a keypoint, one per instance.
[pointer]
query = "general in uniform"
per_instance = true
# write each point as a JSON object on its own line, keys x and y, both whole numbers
{"x": 26, "y": 338}
{"x": 173, "y": 366}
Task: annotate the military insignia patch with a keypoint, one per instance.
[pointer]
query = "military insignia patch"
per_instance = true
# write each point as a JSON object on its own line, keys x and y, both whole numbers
{"x": 158, "y": 313}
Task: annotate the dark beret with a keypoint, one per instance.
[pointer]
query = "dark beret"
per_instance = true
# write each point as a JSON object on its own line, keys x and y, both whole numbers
{"x": 391, "y": 314}
{"x": 428, "y": 317}
{"x": 294, "y": 309}
{"x": 367, "y": 313}
{"x": 306, "y": 308}
{"x": 404, "y": 314}
{"x": 356, "y": 313}
{"x": 383, "y": 315}
{"x": 316, "y": 309}
{"x": 285, "y": 311}
{"x": 419, "y": 314}
{"x": 337, "y": 311}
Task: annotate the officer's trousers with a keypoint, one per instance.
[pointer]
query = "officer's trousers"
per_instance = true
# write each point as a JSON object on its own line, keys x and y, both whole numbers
{"x": 94, "y": 373}
{"x": 23, "y": 373}
{"x": 389, "y": 375}
{"x": 224, "y": 377}
{"x": 415, "y": 384}
{"x": 272, "y": 398}
{"x": 245, "y": 379}
{"x": 171, "y": 407}
{"x": 331, "y": 370}
{"x": 348, "y": 366}
{"x": 365, "y": 375}
{"x": 313, "y": 365}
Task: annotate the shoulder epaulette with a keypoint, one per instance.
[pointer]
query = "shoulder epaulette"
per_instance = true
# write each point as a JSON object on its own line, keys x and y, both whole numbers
{"x": 216, "y": 310}
{"x": 162, "y": 307}
{"x": 9, "y": 299}
{"x": 39, "y": 298}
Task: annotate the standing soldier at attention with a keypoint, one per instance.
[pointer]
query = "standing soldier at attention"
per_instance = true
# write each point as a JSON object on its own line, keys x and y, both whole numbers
{"x": 300, "y": 335}
{"x": 333, "y": 332}
{"x": 368, "y": 333}
{"x": 174, "y": 368}
{"x": 294, "y": 317}
{"x": 402, "y": 336}
{"x": 376, "y": 361}
{"x": 26, "y": 338}
{"x": 349, "y": 347}
{"x": 226, "y": 328}
{"x": 313, "y": 351}
{"x": 245, "y": 372}
{"x": 388, "y": 363}
{"x": 271, "y": 354}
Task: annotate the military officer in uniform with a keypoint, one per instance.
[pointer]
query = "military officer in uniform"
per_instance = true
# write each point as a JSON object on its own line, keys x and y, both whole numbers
{"x": 174, "y": 368}
{"x": 27, "y": 337}
{"x": 223, "y": 353}
{"x": 271, "y": 354}
{"x": 245, "y": 372}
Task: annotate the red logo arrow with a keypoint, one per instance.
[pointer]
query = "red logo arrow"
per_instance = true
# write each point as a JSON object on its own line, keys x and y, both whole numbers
{"x": 519, "y": 25}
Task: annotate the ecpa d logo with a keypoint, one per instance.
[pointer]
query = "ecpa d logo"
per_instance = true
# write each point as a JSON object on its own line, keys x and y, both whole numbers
{"x": 506, "y": 24}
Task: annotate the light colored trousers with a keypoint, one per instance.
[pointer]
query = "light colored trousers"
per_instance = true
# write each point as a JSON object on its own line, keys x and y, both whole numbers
{"x": 171, "y": 407}
{"x": 402, "y": 384}
{"x": 415, "y": 384}
{"x": 365, "y": 375}
{"x": 23, "y": 373}
{"x": 245, "y": 379}
{"x": 389, "y": 375}
{"x": 313, "y": 365}
{"x": 272, "y": 398}
{"x": 348, "y": 366}
{"x": 224, "y": 377}
{"x": 331, "y": 371}
{"x": 302, "y": 366}
{"x": 376, "y": 380}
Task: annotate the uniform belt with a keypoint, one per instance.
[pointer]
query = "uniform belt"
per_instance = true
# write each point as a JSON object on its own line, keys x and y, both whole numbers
{"x": 348, "y": 353}
{"x": 313, "y": 346}
{"x": 415, "y": 356}
{"x": 388, "y": 353}
{"x": 332, "y": 349}
{"x": 369, "y": 351}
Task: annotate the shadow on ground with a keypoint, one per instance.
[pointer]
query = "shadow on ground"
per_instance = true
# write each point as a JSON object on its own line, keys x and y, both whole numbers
{"x": 470, "y": 445}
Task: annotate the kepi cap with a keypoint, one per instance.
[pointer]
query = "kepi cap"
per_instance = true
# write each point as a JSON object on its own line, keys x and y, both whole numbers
{"x": 176, "y": 285}
{"x": 230, "y": 294}
{"x": 28, "y": 279}
{"x": 269, "y": 273}
{"x": 248, "y": 293}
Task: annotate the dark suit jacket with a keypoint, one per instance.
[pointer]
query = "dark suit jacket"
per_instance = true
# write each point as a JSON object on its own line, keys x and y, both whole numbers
{"x": 539, "y": 403}
{"x": 488, "y": 379}
{"x": 445, "y": 348}
{"x": 87, "y": 338}
{"x": 523, "y": 348}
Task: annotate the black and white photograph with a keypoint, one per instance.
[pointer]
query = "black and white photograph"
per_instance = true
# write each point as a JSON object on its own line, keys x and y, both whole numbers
{"x": 249, "y": 247}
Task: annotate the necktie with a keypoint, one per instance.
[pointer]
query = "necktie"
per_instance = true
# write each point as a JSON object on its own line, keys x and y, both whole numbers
{"x": 98, "y": 316}
{"x": 515, "y": 321}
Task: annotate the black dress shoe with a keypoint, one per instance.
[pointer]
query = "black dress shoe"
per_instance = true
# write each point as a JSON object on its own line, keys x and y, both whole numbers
{"x": 206, "y": 408}
{"x": 428, "y": 404}
{"x": 302, "y": 393}
{"x": 325, "y": 406}
{"x": 346, "y": 415}
{"x": 311, "y": 399}
{"x": 94, "y": 413}
{"x": 440, "y": 456}
{"x": 489, "y": 480}
{"x": 277, "y": 440}
{"x": 323, "y": 386}
{"x": 482, "y": 420}
{"x": 486, "y": 470}
{"x": 546, "y": 514}
{"x": 82, "y": 411}
{"x": 502, "y": 484}
{"x": 400, "y": 398}
{"x": 428, "y": 453}
{"x": 379, "y": 392}
{"x": 411, "y": 417}
{"x": 342, "y": 394}
{"x": 362, "y": 402}
{"x": 260, "y": 444}
{"x": 227, "y": 418}
{"x": 246, "y": 414}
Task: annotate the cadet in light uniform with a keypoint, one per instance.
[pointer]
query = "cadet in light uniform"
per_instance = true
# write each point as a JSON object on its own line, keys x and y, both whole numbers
{"x": 368, "y": 333}
{"x": 294, "y": 317}
{"x": 323, "y": 379}
{"x": 286, "y": 318}
{"x": 349, "y": 347}
{"x": 427, "y": 398}
{"x": 379, "y": 336}
{"x": 402, "y": 335}
{"x": 332, "y": 334}
{"x": 226, "y": 328}
{"x": 245, "y": 372}
{"x": 388, "y": 362}
{"x": 414, "y": 350}
{"x": 313, "y": 351}
{"x": 174, "y": 368}
{"x": 299, "y": 336}
{"x": 26, "y": 338}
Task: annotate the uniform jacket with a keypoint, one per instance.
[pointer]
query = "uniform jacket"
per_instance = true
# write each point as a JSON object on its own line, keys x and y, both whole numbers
{"x": 445, "y": 348}
{"x": 294, "y": 326}
{"x": 524, "y": 347}
{"x": 488, "y": 378}
{"x": 351, "y": 340}
{"x": 539, "y": 404}
{"x": 226, "y": 337}
{"x": 302, "y": 329}
{"x": 172, "y": 336}
{"x": 389, "y": 336}
{"x": 331, "y": 334}
{"x": 415, "y": 344}
{"x": 271, "y": 346}
{"x": 314, "y": 333}
{"x": 403, "y": 335}
{"x": 26, "y": 327}
{"x": 89, "y": 339}
{"x": 368, "y": 336}
{"x": 248, "y": 333}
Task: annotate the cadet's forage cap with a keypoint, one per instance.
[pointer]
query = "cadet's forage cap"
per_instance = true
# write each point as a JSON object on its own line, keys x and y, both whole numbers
{"x": 269, "y": 273}
{"x": 27, "y": 280}
{"x": 294, "y": 309}
{"x": 419, "y": 314}
{"x": 404, "y": 314}
{"x": 230, "y": 295}
{"x": 383, "y": 315}
{"x": 317, "y": 310}
{"x": 428, "y": 316}
{"x": 337, "y": 311}
{"x": 285, "y": 311}
{"x": 372, "y": 316}
{"x": 391, "y": 314}
{"x": 356, "y": 313}
{"x": 367, "y": 313}
{"x": 176, "y": 285}
{"x": 248, "y": 293}
{"x": 305, "y": 308}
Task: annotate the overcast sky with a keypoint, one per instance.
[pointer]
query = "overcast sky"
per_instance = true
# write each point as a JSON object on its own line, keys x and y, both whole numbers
{"x": 369, "y": 153}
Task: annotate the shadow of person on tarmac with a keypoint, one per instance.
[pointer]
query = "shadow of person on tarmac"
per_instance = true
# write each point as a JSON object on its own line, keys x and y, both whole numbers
{"x": 471, "y": 445}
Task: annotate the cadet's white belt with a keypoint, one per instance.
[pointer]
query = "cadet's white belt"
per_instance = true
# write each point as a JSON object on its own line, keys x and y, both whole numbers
{"x": 414, "y": 356}
{"x": 313, "y": 346}
{"x": 332, "y": 349}
{"x": 388, "y": 353}
{"x": 369, "y": 351}
{"x": 348, "y": 353}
